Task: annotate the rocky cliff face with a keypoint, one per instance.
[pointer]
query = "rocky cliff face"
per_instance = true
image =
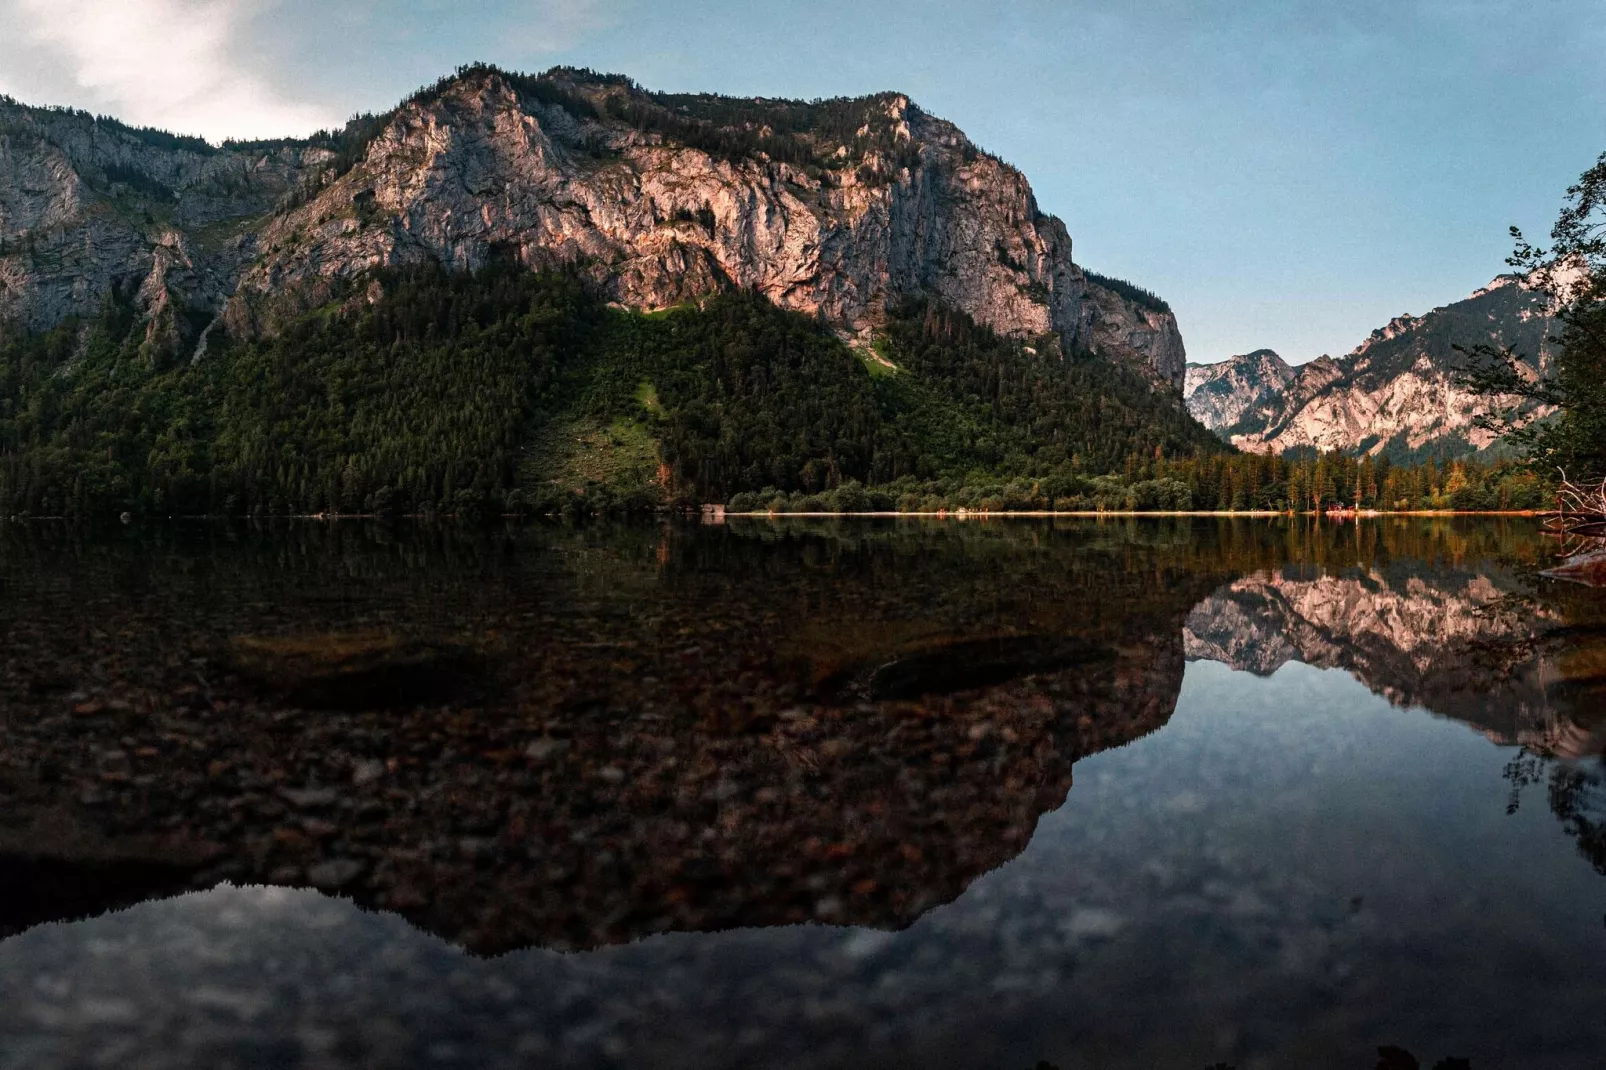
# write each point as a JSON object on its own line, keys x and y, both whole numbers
{"x": 1396, "y": 393}
{"x": 1139, "y": 336}
{"x": 1219, "y": 395}
{"x": 90, "y": 207}
{"x": 832, "y": 209}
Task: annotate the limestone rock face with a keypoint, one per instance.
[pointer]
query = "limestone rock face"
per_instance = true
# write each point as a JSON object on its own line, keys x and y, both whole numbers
{"x": 1135, "y": 335}
{"x": 91, "y": 207}
{"x": 1219, "y": 395}
{"x": 1398, "y": 392}
{"x": 905, "y": 205}
{"x": 832, "y": 209}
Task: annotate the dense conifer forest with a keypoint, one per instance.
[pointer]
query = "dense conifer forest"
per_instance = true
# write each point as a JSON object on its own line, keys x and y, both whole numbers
{"x": 512, "y": 392}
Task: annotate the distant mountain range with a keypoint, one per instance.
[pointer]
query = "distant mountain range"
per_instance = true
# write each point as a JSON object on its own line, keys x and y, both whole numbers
{"x": 1396, "y": 394}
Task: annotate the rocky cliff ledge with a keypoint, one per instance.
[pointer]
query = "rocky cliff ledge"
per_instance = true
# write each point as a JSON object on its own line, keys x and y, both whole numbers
{"x": 833, "y": 208}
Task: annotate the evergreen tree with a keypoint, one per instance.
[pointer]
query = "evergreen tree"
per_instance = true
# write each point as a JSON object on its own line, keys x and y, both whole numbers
{"x": 1572, "y": 271}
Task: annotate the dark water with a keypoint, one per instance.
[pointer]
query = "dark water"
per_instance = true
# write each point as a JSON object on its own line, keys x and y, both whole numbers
{"x": 1127, "y": 794}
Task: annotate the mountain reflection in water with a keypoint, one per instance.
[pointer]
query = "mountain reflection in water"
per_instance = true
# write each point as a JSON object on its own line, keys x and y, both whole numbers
{"x": 569, "y": 740}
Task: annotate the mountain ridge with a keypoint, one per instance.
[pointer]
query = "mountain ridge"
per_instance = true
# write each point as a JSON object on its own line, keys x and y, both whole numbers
{"x": 1220, "y": 394}
{"x": 831, "y": 208}
{"x": 1398, "y": 393}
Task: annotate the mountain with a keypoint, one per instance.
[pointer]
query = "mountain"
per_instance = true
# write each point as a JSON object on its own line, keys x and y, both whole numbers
{"x": 1219, "y": 395}
{"x": 513, "y": 290}
{"x": 830, "y": 208}
{"x": 90, "y": 208}
{"x": 1397, "y": 393}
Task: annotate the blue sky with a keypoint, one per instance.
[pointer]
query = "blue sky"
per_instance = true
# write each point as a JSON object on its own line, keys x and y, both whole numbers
{"x": 1287, "y": 174}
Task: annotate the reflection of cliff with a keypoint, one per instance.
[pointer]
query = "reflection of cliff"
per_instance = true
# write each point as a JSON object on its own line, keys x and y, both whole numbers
{"x": 689, "y": 733}
{"x": 1460, "y": 643}
{"x": 864, "y": 812}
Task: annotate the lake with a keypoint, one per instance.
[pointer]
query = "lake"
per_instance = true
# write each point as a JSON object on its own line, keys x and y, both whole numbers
{"x": 1154, "y": 793}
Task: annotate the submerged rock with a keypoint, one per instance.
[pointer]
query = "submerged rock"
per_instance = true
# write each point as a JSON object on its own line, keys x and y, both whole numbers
{"x": 974, "y": 663}
{"x": 356, "y": 671}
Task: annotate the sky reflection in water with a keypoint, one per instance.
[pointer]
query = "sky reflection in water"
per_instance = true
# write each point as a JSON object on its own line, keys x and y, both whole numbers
{"x": 1291, "y": 871}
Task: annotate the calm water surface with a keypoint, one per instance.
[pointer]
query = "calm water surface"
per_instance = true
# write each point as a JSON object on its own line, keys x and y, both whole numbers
{"x": 801, "y": 794}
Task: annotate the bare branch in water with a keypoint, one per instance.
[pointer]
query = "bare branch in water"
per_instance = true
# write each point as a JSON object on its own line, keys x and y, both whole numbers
{"x": 1579, "y": 527}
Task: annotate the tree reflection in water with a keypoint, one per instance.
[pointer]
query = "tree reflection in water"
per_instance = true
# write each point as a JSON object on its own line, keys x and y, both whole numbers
{"x": 576, "y": 737}
{"x": 1576, "y": 792}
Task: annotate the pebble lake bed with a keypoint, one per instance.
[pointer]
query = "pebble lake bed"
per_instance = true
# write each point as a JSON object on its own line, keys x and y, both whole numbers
{"x": 1162, "y": 792}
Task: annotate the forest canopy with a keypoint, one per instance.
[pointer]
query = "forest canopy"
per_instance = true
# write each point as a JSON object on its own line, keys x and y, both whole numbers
{"x": 506, "y": 391}
{"x": 512, "y": 390}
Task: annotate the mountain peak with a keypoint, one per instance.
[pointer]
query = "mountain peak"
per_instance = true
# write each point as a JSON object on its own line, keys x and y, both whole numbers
{"x": 1221, "y": 395}
{"x": 1264, "y": 354}
{"x": 1499, "y": 282}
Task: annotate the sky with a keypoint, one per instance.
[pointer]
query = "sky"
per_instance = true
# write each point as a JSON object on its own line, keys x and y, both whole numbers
{"x": 1288, "y": 174}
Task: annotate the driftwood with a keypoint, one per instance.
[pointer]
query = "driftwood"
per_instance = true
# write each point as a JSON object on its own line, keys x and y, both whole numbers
{"x": 1579, "y": 525}
{"x": 1582, "y": 503}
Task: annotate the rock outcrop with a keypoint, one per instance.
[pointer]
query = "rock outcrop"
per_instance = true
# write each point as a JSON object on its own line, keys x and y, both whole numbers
{"x": 90, "y": 207}
{"x": 1397, "y": 393}
{"x": 1219, "y": 395}
{"x": 833, "y": 209}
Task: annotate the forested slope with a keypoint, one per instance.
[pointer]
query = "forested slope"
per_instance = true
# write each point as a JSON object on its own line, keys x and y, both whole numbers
{"x": 507, "y": 390}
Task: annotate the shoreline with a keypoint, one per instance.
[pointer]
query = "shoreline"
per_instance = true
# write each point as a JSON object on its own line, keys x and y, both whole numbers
{"x": 942, "y": 514}
{"x": 979, "y": 514}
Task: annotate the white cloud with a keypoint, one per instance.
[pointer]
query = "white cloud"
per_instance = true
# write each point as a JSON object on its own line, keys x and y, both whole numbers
{"x": 174, "y": 64}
